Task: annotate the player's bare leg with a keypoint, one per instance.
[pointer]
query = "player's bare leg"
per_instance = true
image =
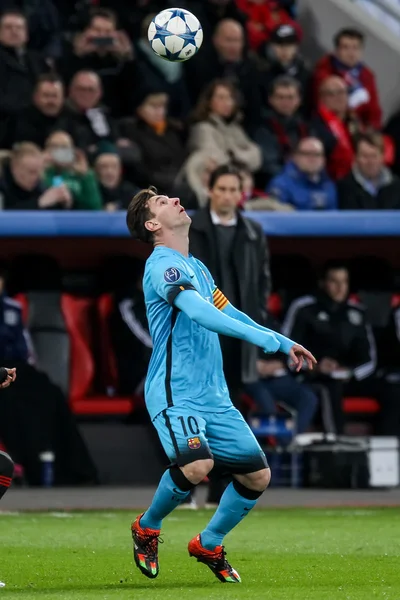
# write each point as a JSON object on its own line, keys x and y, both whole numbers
{"x": 238, "y": 499}
{"x": 175, "y": 485}
{"x": 6, "y": 474}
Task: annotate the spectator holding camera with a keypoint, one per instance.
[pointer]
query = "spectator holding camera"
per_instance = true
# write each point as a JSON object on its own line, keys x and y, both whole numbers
{"x": 304, "y": 183}
{"x": 107, "y": 51}
{"x": 21, "y": 184}
{"x": 67, "y": 167}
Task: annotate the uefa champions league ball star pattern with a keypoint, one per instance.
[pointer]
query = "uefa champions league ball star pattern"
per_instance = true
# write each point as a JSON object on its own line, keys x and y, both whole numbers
{"x": 175, "y": 34}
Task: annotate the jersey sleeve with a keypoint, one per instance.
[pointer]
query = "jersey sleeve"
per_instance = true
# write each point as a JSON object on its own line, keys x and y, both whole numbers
{"x": 170, "y": 277}
{"x": 220, "y": 301}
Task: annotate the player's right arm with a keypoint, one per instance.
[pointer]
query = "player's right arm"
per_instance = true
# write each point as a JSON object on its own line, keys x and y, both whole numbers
{"x": 172, "y": 282}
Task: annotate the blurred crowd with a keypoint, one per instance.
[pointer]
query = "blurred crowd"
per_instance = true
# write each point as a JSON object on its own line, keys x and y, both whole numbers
{"x": 88, "y": 113}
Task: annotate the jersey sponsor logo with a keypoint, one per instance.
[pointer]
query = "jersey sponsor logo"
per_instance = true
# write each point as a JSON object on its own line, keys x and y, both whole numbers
{"x": 194, "y": 443}
{"x": 172, "y": 275}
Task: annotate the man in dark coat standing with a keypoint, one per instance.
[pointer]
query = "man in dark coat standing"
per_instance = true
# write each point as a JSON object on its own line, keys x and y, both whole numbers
{"x": 234, "y": 250}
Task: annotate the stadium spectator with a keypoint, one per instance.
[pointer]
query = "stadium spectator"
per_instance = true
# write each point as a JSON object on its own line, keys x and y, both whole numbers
{"x": 21, "y": 183}
{"x": 370, "y": 185}
{"x": 162, "y": 74}
{"x": 263, "y": 17}
{"x": 227, "y": 59}
{"x": 160, "y": 141}
{"x": 347, "y": 62}
{"x": 106, "y": 51}
{"x": 116, "y": 193}
{"x": 253, "y": 199}
{"x": 37, "y": 122}
{"x": 217, "y": 132}
{"x": 392, "y": 129}
{"x": 282, "y": 126}
{"x": 281, "y": 56}
{"x": 86, "y": 119}
{"x": 19, "y": 69}
{"x": 335, "y": 125}
{"x": 34, "y": 415}
{"x": 44, "y": 23}
{"x": 338, "y": 334}
{"x": 277, "y": 385}
{"x": 304, "y": 183}
{"x": 67, "y": 166}
{"x": 195, "y": 174}
{"x": 211, "y": 12}
{"x": 234, "y": 249}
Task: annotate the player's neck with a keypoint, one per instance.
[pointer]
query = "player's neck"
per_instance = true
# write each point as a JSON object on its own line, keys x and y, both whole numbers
{"x": 176, "y": 241}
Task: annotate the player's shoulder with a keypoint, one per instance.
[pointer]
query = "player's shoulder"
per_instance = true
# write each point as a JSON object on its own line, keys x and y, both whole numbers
{"x": 356, "y": 312}
{"x": 11, "y": 303}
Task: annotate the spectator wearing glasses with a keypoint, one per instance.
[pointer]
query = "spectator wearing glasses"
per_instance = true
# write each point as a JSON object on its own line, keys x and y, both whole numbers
{"x": 304, "y": 183}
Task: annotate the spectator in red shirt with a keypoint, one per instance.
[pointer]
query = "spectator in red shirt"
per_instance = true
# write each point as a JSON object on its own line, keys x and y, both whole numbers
{"x": 346, "y": 62}
{"x": 263, "y": 17}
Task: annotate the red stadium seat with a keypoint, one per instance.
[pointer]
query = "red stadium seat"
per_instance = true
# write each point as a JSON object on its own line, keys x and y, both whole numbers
{"x": 360, "y": 405}
{"x": 274, "y": 305}
{"x": 395, "y": 300}
{"x": 78, "y": 313}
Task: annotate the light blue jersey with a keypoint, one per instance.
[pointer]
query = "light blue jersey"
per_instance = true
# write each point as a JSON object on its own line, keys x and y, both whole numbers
{"x": 186, "y": 364}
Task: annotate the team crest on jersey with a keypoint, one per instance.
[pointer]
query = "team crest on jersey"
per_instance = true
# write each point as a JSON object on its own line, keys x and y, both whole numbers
{"x": 172, "y": 275}
{"x": 355, "y": 317}
{"x": 194, "y": 443}
{"x": 11, "y": 318}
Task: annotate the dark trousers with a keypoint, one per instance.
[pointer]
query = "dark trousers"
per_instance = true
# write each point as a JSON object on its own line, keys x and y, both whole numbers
{"x": 267, "y": 392}
{"x": 387, "y": 394}
{"x": 34, "y": 418}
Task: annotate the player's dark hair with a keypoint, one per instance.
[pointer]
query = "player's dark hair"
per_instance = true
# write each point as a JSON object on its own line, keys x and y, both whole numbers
{"x": 203, "y": 107}
{"x": 102, "y": 13}
{"x": 332, "y": 265}
{"x": 225, "y": 170}
{"x": 348, "y": 32}
{"x": 138, "y": 213}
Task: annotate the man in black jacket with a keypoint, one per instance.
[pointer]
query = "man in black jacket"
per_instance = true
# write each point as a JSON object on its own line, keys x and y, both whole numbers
{"x": 39, "y": 120}
{"x": 19, "y": 69}
{"x": 370, "y": 185}
{"x": 234, "y": 249}
{"x": 336, "y": 330}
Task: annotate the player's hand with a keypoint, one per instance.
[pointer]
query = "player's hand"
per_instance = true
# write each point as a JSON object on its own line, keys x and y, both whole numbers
{"x": 299, "y": 355}
{"x": 11, "y": 376}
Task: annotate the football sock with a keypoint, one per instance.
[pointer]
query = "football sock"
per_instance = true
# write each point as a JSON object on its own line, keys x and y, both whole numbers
{"x": 6, "y": 472}
{"x": 236, "y": 502}
{"x": 173, "y": 488}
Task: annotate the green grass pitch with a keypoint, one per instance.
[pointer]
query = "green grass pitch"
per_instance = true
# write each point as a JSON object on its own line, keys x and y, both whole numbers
{"x": 288, "y": 554}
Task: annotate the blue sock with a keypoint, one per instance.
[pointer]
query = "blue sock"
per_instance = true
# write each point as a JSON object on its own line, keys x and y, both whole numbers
{"x": 167, "y": 497}
{"x": 231, "y": 510}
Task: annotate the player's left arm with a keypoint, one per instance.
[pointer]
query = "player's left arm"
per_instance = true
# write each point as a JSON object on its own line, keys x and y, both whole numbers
{"x": 297, "y": 353}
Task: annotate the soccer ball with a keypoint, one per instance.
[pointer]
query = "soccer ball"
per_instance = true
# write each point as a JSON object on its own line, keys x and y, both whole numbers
{"x": 175, "y": 34}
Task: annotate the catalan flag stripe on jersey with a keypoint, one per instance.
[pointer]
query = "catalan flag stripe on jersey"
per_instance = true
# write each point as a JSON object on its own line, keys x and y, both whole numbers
{"x": 220, "y": 301}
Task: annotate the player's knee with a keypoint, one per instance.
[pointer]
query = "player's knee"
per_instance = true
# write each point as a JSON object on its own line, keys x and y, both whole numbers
{"x": 198, "y": 470}
{"x": 258, "y": 481}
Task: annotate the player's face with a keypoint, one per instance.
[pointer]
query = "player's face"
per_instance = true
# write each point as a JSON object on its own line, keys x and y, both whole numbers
{"x": 168, "y": 214}
{"x": 225, "y": 194}
{"x": 336, "y": 284}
